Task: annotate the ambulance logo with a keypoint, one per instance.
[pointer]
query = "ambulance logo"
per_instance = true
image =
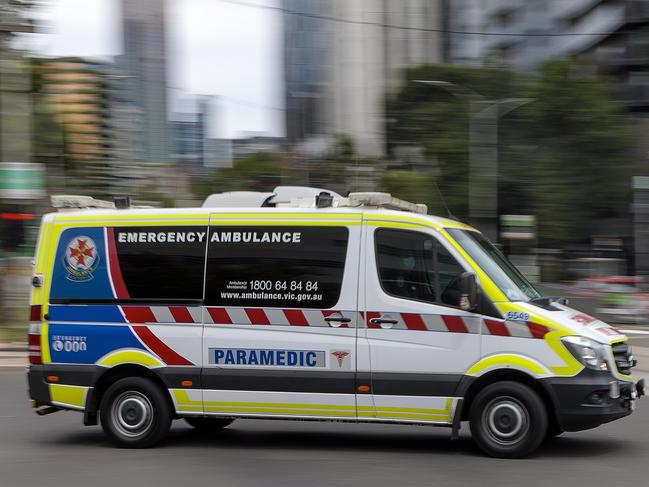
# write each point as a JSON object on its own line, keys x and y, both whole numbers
{"x": 341, "y": 357}
{"x": 81, "y": 258}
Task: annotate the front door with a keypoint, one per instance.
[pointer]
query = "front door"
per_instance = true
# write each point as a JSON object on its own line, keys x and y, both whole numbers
{"x": 281, "y": 315}
{"x": 420, "y": 342}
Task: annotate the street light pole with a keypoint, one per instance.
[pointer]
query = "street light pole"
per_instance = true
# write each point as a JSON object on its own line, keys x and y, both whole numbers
{"x": 483, "y": 152}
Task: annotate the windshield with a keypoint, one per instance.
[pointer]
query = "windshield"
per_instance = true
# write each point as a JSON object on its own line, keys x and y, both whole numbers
{"x": 502, "y": 272}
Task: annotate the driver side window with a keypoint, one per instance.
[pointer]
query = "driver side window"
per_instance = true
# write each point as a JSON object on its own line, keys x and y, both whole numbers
{"x": 414, "y": 265}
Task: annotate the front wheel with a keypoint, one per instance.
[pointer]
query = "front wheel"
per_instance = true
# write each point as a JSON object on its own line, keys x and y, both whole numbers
{"x": 135, "y": 413}
{"x": 508, "y": 420}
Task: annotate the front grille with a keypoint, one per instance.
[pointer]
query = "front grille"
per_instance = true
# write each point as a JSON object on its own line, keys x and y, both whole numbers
{"x": 623, "y": 356}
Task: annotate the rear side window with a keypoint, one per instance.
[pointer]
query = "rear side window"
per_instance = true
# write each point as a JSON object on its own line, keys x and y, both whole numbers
{"x": 162, "y": 263}
{"x": 130, "y": 264}
{"x": 285, "y": 267}
{"x": 414, "y": 265}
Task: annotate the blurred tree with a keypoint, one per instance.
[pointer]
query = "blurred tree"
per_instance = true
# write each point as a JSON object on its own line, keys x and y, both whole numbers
{"x": 438, "y": 120}
{"x": 257, "y": 172}
{"x": 329, "y": 170}
{"x": 565, "y": 157}
{"x": 568, "y": 156}
{"x": 415, "y": 186}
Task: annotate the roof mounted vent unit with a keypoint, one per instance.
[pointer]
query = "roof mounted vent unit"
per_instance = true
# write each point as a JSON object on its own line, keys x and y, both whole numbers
{"x": 282, "y": 196}
{"x": 237, "y": 199}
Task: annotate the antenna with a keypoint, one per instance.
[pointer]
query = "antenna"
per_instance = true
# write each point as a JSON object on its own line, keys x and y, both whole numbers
{"x": 441, "y": 197}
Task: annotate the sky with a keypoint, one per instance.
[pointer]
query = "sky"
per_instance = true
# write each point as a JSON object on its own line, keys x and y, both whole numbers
{"x": 214, "y": 48}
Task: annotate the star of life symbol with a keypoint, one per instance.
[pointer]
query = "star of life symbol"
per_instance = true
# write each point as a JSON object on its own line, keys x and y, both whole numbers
{"x": 80, "y": 258}
{"x": 340, "y": 357}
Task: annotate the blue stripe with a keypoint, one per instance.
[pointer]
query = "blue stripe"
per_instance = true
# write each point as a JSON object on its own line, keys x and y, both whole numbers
{"x": 85, "y": 313}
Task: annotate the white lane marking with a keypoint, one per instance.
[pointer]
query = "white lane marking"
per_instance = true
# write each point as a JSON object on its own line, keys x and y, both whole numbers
{"x": 634, "y": 332}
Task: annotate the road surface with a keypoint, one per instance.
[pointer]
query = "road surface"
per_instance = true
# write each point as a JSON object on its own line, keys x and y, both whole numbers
{"x": 56, "y": 450}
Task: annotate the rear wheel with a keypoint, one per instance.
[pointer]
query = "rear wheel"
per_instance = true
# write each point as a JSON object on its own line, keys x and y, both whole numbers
{"x": 135, "y": 413}
{"x": 508, "y": 420}
{"x": 209, "y": 424}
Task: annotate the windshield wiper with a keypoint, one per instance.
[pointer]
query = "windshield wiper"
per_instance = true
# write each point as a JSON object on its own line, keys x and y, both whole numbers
{"x": 548, "y": 300}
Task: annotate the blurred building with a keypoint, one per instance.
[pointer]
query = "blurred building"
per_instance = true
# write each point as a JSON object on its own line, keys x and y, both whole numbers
{"x": 255, "y": 143}
{"x": 143, "y": 63}
{"x": 189, "y": 134}
{"x": 343, "y": 56}
{"x": 218, "y": 153}
{"x": 494, "y": 17}
{"x": 307, "y": 68}
{"x": 641, "y": 226}
{"x": 79, "y": 95}
{"x": 607, "y": 32}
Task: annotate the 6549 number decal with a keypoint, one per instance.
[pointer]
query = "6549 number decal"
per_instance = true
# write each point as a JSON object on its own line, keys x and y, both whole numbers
{"x": 517, "y": 316}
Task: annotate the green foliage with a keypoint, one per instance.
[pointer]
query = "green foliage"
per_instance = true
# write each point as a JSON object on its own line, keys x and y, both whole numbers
{"x": 570, "y": 153}
{"x": 415, "y": 186}
{"x": 564, "y": 157}
{"x": 261, "y": 171}
{"x": 438, "y": 120}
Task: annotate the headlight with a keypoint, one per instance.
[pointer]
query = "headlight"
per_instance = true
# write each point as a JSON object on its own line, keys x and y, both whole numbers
{"x": 589, "y": 352}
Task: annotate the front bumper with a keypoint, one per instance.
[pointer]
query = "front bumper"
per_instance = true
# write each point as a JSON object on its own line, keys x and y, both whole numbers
{"x": 591, "y": 398}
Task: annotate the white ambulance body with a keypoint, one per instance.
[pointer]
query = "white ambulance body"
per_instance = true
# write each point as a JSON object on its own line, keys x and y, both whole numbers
{"x": 320, "y": 307}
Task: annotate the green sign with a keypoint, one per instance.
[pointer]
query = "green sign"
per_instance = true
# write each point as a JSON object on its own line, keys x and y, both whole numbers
{"x": 21, "y": 180}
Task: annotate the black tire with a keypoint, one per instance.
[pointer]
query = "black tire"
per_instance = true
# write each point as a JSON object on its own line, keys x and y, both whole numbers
{"x": 209, "y": 424}
{"x": 135, "y": 413}
{"x": 508, "y": 420}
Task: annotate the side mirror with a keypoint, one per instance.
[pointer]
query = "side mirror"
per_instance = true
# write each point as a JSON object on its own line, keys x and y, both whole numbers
{"x": 468, "y": 291}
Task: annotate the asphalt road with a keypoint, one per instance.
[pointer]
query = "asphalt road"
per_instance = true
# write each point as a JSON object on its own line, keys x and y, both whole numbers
{"x": 57, "y": 450}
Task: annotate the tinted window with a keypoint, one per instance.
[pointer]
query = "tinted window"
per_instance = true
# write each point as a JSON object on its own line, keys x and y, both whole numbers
{"x": 290, "y": 267}
{"x": 413, "y": 265}
{"x": 162, "y": 263}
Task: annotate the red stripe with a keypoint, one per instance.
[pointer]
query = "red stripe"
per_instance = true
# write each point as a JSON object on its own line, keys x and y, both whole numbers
{"x": 114, "y": 268}
{"x": 219, "y": 316}
{"x": 181, "y": 314}
{"x": 139, "y": 314}
{"x": 295, "y": 317}
{"x": 497, "y": 328}
{"x": 413, "y": 321}
{"x": 257, "y": 316}
{"x": 369, "y": 315}
{"x": 160, "y": 348}
{"x": 537, "y": 331}
{"x": 455, "y": 324}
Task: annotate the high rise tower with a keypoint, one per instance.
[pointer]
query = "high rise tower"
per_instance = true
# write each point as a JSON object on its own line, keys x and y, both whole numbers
{"x": 143, "y": 63}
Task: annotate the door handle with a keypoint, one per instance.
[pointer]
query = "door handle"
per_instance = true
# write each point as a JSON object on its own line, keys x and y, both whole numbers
{"x": 337, "y": 321}
{"x": 388, "y": 322}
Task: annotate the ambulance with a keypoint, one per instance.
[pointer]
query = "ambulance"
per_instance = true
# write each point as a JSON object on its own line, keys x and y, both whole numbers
{"x": 302, "y": 304}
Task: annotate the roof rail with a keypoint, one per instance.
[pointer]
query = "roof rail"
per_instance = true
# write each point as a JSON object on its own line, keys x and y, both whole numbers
{"x": 384, "y": 200}
{"x": 71, "y": 201}
{"x": 79, "y": 202}
{"x": 306, "y": 197}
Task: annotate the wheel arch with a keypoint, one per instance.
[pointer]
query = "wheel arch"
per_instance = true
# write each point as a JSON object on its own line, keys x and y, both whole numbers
{"x": 112, "y": 375}
{"x": 471, "y": 386}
